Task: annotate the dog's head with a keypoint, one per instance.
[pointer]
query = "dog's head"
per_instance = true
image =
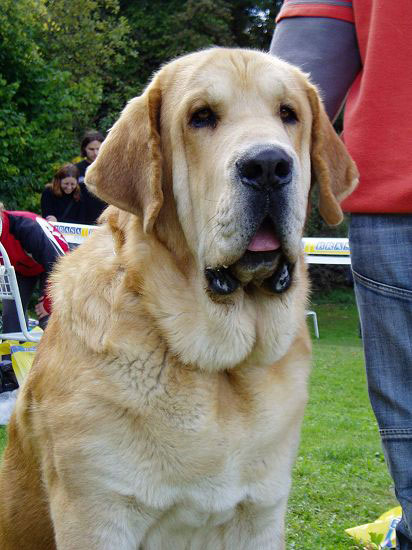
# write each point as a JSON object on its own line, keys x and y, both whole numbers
{"x": 228, "y": 142}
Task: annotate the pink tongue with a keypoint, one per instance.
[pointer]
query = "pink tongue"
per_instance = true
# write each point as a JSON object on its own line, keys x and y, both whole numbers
{"x": 264, "y": 241}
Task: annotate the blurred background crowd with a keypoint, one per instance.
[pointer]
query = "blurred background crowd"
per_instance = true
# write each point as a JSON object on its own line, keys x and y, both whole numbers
{"x": 66, "y": 198}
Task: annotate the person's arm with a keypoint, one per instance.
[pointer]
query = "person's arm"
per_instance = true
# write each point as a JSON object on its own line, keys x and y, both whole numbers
{"x": 324, "y": 47}
{"x": 47, "y": 205}
{"x": 36, "y": 241}
{"x": 44, "y": 248}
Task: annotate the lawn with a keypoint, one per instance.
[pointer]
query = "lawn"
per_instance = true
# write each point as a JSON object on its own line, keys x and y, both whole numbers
{"x": 340, "y": 478}
{"x": 2, "y": 438}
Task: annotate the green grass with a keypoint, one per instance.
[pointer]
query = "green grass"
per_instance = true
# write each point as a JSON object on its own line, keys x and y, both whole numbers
{"x": 340, "y": 478}
{"x": 2, "y": 439}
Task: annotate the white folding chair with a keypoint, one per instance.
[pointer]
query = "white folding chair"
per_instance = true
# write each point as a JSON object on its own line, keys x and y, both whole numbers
{"x": 9, "y": 290}
{"x": 315, "y": 321}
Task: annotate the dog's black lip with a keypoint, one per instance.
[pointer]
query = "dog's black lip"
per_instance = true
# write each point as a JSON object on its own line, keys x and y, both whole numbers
{"x": 220, "y": 280}
{"x": 282, "y": 279}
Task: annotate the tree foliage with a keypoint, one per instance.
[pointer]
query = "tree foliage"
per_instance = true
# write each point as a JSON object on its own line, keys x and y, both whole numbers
{"x": 36, "y": 103}
{"x": 90, "y": 39}
{"x": 46, "y": 90}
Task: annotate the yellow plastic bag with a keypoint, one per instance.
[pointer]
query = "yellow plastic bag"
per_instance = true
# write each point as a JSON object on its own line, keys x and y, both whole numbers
{"x": 5, "y": 346}
{"x": 22, "y": 357}
{"x": 380, "y": 533}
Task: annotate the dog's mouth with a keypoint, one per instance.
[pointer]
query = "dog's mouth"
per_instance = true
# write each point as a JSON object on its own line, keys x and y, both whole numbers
{"x": 263, "y": 264}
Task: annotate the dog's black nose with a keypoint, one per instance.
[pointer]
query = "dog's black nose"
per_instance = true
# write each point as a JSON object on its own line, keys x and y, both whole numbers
{"x": 266, "y": 169}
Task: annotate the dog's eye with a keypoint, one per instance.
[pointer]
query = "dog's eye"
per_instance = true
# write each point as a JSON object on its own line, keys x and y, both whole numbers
{"x": 203, "y": 118}
{"x": 287, "y": 114}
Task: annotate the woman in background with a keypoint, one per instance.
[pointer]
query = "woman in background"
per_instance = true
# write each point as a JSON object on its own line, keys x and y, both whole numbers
{"x": 90, "y": 146}
{"x": 61, "y": 200}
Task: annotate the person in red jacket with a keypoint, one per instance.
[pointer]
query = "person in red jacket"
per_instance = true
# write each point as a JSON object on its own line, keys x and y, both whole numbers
{"x": 33, "y": 245}
{"x": 361, "y": 50}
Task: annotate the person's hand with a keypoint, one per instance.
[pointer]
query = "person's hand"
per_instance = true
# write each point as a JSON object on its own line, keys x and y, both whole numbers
{"x": 40, "y": 309}
{"x": 51, "y": 219}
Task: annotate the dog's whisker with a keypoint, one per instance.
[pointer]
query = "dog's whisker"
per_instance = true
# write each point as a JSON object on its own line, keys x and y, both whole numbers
{"x": 215, "y": 235}
{"x": 206, "y": 224}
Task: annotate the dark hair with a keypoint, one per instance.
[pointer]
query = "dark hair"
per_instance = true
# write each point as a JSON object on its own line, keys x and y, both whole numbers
{"x": 92, "y": 135}
{"x": 65, "y": 171}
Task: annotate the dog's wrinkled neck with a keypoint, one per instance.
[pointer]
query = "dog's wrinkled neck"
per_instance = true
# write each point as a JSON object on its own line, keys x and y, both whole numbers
{"x": 199, "y": 331}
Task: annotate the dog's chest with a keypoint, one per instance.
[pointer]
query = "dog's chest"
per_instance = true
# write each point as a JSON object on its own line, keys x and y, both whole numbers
{"x": 194, "y": 445}
{"x": 201, "y": 476}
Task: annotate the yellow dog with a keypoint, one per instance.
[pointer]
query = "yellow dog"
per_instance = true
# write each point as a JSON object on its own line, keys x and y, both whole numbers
{"x": 164, "y": 406}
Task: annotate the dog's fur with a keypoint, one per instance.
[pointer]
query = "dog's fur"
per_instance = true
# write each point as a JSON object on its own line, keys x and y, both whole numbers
{"x": 160, "y": 414}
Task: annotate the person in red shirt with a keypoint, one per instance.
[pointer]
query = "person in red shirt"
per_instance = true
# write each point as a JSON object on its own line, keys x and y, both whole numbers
{"x": 361, "y": 50}
{"x": 33, "y": 245}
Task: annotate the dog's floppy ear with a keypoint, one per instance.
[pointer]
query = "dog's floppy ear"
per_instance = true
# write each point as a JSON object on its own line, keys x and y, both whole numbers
{"x": 128, "y": 169}
{"x": 332, "y": 168}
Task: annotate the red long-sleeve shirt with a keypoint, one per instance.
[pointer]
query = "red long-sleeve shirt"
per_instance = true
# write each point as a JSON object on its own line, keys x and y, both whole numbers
{"x": 378, "y": 113}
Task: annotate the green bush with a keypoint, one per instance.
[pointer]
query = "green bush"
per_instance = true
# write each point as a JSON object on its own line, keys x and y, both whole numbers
{"x": 43, "y": 107}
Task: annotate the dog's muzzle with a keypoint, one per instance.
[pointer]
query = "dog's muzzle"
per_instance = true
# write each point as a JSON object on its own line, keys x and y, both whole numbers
{"x": 264, "y": 174}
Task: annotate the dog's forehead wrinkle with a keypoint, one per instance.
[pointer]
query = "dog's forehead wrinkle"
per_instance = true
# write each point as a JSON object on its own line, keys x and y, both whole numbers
{"x": 245, "y": 95}
{"x": 255, "y": 76}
